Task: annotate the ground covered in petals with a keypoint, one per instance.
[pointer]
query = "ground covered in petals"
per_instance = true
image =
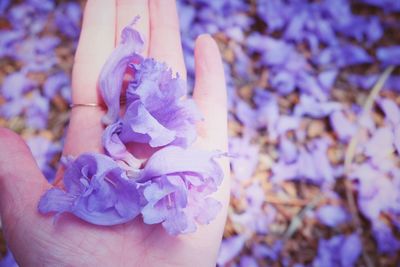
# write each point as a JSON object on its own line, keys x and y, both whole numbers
{"x": 314, "y": 118}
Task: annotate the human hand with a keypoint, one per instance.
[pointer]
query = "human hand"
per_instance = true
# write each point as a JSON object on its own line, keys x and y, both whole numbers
{"x": 33, "y": 238}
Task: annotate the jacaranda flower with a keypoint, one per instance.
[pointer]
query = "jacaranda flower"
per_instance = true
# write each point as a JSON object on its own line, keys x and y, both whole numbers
{"x": 178, "y": 184}
{"x": 96, "y": 190}
{"x": 111, "y": 76}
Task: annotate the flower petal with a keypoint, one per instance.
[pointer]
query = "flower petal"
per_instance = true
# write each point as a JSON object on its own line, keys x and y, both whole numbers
{"x": 111, "y": 76}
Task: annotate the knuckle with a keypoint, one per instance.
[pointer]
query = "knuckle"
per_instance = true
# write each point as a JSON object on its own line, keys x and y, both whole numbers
{"x": 10, "y": 139}
{"x": 12, "y": 148}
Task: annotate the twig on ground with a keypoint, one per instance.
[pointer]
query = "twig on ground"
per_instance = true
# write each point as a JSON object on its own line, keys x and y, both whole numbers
{"x": 351, "y": 152}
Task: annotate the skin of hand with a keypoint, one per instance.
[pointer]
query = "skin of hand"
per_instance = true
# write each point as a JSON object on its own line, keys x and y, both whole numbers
{"x": 32, "y": 237}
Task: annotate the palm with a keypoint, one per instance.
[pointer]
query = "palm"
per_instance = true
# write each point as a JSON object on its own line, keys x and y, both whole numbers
{"x": 71, "y": 242}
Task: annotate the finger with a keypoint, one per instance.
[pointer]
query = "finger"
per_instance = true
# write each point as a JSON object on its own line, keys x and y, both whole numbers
{"x": 210, "y": 93}
{"x": 21, "y": 181}
{"x": 96, "y": 43}
{"x": 210, "y": 96}
{"x": 84, "y": 131}
{"x": 127, "y": 10}
{"x": 165, "y": 39}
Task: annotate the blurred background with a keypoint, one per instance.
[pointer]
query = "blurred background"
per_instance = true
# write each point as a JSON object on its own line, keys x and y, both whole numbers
{"x": 314, "y": 118}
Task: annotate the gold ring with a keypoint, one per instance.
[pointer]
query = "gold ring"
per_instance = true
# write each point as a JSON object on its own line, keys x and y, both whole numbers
{"x": 84, "y": 105}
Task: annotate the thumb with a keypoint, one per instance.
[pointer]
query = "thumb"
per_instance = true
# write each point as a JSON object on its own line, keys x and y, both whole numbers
{"x": 21, "y": 181}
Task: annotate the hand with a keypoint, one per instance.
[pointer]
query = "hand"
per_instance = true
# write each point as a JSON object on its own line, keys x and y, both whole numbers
{"x": 33, "y": 238}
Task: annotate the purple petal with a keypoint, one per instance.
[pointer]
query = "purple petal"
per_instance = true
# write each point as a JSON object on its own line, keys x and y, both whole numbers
{"x": 288, "y": 150}
{"x": 389, "y": 55}
{"x": 44, "y": 152}
{"x": 8, "y": 260}
{"x": 244, "y": 157}
{"x": 381, "y": 143}
{"x": 68, "y": 19}
{"x": 283, "y": 82}
{"x": 140, "y": 126}
{"x": 230, "y": 248}
{"x": 247, "y": 261}
{"x": 309, "y": 84}
{"x": 173, "y": 159}
{"x": 115, "y": 147}
{"x": 178, "y": 183}
{"x": 327, "y": 78}
{"x": 350, "y": 250}
{"x": 316, "y": 109}
{"x": 111, "y": 76}
{"x": 342, "y": 126}
{"x": 332, "y": 215}
{"x": 15, "y": 85}
{"x": 37, "y": 112}
{"x": 397, "y": 138}
{"x": 55, "y": 83}
{"x": 391, "y": 110}
{"x": 386, "y": 241}
{"x": 97, "y": 191}
{"x": 157, "y": 112}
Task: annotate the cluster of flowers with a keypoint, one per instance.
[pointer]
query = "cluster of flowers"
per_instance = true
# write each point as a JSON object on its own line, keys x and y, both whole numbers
{"x": 174, "y": 184}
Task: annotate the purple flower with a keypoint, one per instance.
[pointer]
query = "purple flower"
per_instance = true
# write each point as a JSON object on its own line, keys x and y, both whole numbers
{"x": 339, "y": 251}
{"x": 273, "y": 13}
{"x": 244, "y": 157}
{"x": 389, "y": 55}
{"x": 332, "y": 215}
{"x": 13, "y": 108}
{"x": 387, "y": 5}
{"x": 376, "y": 192}
{"x": 44, "y": 151}
{"x": 177, "y": 186}
{"x": 46, "y": 45}
{"x": 288, "y": 150}
{"x": 3, "y": 6}
{"x": 56, "y": 83}
{"x": 391, "y": 110}
{"x": 15, "y": 85}
{"x": 381, "y": 143}
{"x": 114, "y": 147}
{"x": 247, "y": 261}
{"x": 156, "y": 112}
{"x": 327, "y": 78}
{"x": 262, "y": 251}
{"x": 350, "y": 250}
{"x": 309, "y": 84}
{"x": 112, "y": 73}
{"x": 315, "y": 109}
{"x": 342, "y": 126}
{"x": 397, "y": 138}
{"x": 96, "y": 190}
{"x": 255, "y": 218}
{"x": 8, "y": 40}
{"x": 386, "y": 241}
{"x": 37, "y": 111}
{"x": 284, "y": 82}
{"x": 343, "y": 55}
{"x": 246, "y": 115}
{"x": 68, "y": 19}
{"x": 311, "y": 165}
{"x": 230, "y": 248}
{"x": 42, "y": 5}
{"x": 8, "y": 260}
